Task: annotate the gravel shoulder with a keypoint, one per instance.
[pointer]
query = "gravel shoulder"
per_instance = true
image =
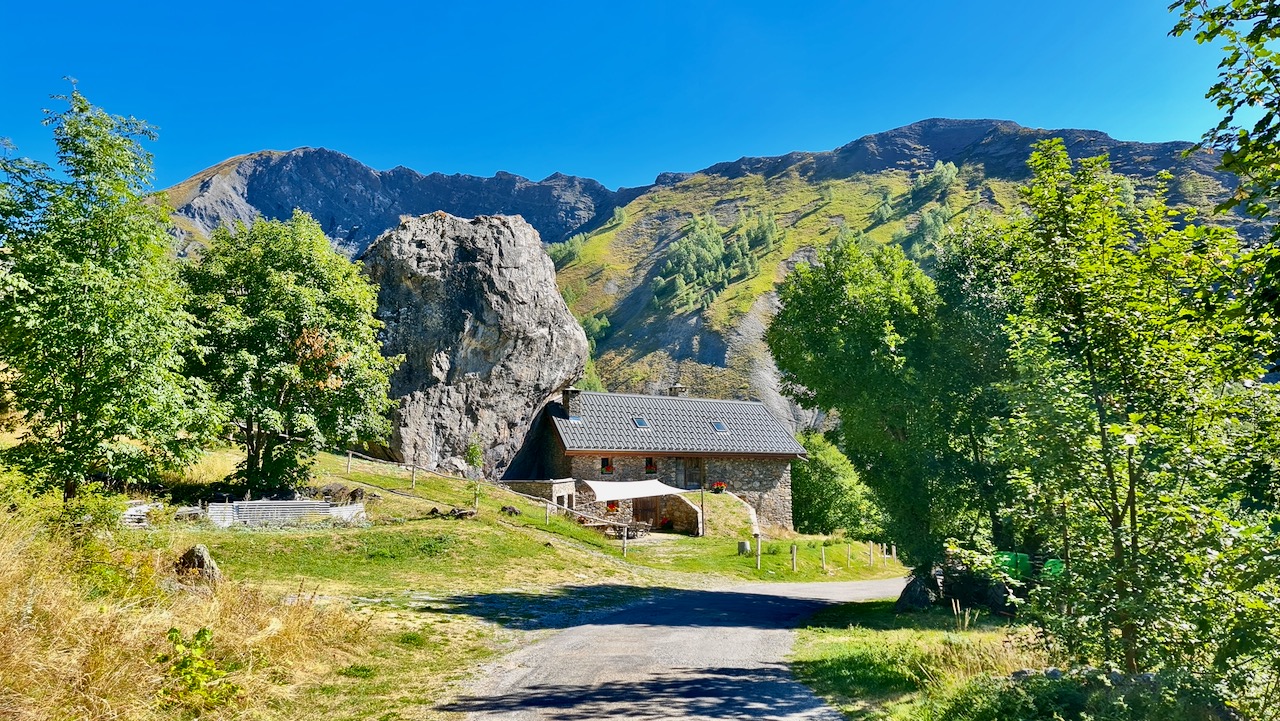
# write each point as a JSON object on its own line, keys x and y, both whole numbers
{"x": 680, "y": 654}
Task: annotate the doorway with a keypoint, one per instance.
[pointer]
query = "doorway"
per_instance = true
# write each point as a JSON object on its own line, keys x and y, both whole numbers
{"x": 689, "y": 473}
{"x": 648, "y": 510}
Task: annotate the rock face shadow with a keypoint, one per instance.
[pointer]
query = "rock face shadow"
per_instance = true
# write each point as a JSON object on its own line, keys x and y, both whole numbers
{"x": 767, "y": 691}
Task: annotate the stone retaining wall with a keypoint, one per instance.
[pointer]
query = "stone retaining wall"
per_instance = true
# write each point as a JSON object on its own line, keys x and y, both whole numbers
{"x": 765, "y": 484}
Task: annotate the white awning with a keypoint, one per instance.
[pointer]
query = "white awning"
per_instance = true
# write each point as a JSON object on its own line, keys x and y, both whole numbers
{"x": 618, "y": 490}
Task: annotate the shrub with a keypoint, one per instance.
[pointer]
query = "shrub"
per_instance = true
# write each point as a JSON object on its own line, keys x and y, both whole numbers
{"x": 193, "y": 680}
{"x": 1091, "y": 696}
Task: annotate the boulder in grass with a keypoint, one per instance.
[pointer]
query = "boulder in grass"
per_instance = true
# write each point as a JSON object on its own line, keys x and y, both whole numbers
{"x": 196, "y": 563}
{"x": 920, "y": 593}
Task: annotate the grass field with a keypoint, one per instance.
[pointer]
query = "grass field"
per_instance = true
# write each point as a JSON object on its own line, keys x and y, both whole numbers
{"x": 383, "y": 618}
{"x": 877, "y": 665}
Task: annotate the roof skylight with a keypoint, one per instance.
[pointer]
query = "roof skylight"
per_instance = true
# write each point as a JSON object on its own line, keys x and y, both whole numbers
{"x": 640, "y": 422}
{"x": 719, "y": 426}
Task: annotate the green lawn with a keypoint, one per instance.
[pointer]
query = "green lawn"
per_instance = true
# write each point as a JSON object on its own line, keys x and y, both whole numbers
{"x": 436, "y": 597}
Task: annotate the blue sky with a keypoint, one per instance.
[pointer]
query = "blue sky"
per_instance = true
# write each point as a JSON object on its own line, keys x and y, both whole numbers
{"x": 611, "y": 90}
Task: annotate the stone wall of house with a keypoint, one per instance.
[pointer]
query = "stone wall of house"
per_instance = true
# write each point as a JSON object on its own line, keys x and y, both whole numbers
{"x": 554, "y": 460}
{"x": 763, "y": 483}
{"x": 587, "y": 503}
{"x": 559, "y": 492}
{"x": 625, "y": 468}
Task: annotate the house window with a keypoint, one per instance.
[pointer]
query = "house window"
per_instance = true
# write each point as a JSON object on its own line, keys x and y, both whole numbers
{"x": 650, "y": 466}
{"x": 641, "y": 423}
{"x": 606, "y": 465}
{"x": 719, "y": 427}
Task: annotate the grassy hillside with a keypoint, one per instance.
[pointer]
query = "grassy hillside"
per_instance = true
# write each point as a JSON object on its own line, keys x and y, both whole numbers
{"x": 712, "y": 343}
{"x": 374, "y": 621}
{"x": 648, "y": 343}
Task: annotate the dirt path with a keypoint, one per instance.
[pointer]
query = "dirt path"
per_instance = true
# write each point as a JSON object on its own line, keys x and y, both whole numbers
{"x": 682, "y": 655}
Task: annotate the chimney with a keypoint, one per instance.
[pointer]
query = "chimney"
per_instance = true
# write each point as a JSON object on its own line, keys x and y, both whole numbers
{"x": 678, "y": 391}
{"x": 571, "y": 399}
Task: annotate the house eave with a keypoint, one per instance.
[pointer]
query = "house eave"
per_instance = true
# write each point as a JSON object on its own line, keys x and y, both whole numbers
{"x": 682, "y": 454}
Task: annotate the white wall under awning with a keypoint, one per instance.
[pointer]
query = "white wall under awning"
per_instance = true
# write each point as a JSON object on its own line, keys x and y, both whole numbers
{"x": 619, "y": 490}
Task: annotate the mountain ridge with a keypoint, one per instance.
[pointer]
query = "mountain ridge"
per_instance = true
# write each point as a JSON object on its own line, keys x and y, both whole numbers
{"x": 562, "y": 204}
{"x": 898, "y": 186}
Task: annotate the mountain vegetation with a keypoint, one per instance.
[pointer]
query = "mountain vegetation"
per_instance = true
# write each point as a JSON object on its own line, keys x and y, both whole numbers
{"x": 1088, "y": 391}
{"x": 290, "y": 345}
{"x": 683, "y": 270}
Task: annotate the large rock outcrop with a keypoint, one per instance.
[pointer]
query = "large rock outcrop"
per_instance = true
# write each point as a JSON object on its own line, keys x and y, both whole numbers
{"x": 487, "y": 339}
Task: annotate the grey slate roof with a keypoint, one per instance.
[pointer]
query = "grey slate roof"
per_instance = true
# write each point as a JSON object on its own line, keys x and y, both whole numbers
{"x": 676, "y": 425}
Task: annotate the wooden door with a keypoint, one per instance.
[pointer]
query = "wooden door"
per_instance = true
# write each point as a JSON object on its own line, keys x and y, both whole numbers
{"x": 647, "y": 510}
{"x": 695, "y": 473}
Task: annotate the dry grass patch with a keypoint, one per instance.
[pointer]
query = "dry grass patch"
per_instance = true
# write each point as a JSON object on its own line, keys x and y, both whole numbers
{"x": 83, "y": 634}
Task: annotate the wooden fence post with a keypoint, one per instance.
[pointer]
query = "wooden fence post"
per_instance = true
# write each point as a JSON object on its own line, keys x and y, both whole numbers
{"x": 548, "y": 521}
{"x": 757, "y": 551}
{"x": 848, "y": 556}
{"x": 793, "y": 558}
{"x": 413, "y": 477}
{"x": 624, "y": 540}
{"x": 871, "y": 553}
{"x": 824, "y": 557}
{"x": 348, "y": 463}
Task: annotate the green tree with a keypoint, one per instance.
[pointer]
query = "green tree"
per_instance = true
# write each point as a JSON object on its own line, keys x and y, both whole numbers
{"x": 595, "y": 327}
{"x": 591, "y": 378}
{"x": 913, "y": 367}
{"x": 883, "y": 211}
{"x": 973, "y": 277}
{"x": 762, "y": 233}
{"x": 1248, "y": 89}
{"x": 1129, "y": 414}
{"x": 857, "y": 333}
{"x": 291, "y": 344}
{"x": 563, "y": 254}
{"x": 92, "y": 325}
{"x": 827, "y": 494}
{"x": 701, "y": 263}
{"x": 934, "y": 184}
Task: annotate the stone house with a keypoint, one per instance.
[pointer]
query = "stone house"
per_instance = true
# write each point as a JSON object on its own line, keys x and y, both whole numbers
{"x": 597, "y": 439}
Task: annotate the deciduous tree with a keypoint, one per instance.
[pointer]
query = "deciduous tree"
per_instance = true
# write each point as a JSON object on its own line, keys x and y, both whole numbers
{"x": 1128, "y": 415}
{"x": 827, "y": 494}
{"x": 92, "y": 326}
{"x": 291, "y": 347}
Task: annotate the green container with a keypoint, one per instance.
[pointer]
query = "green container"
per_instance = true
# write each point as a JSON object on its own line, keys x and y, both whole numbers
{"x": 1017, "y": 565}
{"x": 1053, "y": 568}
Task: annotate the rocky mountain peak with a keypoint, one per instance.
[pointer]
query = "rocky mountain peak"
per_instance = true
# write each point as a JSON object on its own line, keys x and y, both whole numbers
{"x": 355, "y": 203}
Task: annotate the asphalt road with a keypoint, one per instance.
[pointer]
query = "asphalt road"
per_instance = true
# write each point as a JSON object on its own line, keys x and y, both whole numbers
{"x": 683, "y": 655}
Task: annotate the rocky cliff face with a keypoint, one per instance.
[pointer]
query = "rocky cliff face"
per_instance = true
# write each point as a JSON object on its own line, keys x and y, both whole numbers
{"x": 487, "y": 339}
{"x": 355, "y": 203}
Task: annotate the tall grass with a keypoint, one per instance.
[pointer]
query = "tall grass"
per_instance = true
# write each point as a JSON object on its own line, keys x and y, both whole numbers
{"x": 82, "y": 625}
{"x": 876, "y": 664}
